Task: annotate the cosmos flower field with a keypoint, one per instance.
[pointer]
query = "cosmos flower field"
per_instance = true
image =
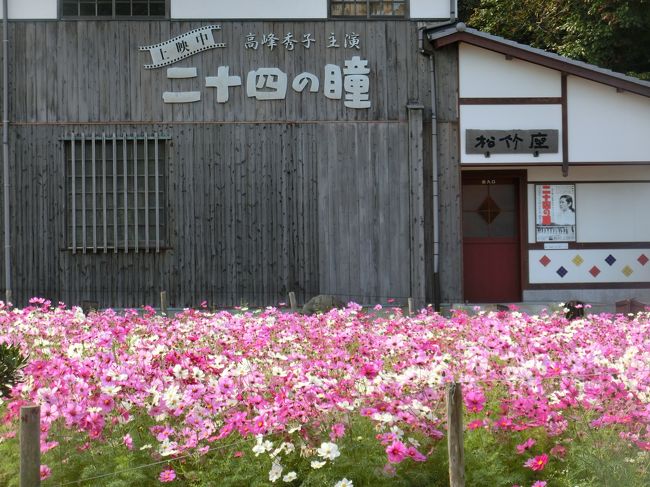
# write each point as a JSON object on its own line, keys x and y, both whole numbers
{"x": 348, "y": 398}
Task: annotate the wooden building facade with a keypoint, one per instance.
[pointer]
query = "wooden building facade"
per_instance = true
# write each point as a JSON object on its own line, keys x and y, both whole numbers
{"x": 232, "y": 152}
{"x": 262, "y": 153}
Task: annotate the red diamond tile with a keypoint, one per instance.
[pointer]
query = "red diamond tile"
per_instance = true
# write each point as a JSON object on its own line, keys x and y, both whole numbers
{"x": 594, "y": 271}
{"x": 545, "y": 261}
{"x": 643, "y": 260}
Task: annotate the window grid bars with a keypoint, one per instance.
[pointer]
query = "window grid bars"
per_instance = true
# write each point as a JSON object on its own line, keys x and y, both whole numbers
{"x": 368, "y": 8}
{"x": 95, "y": 215}
{"x": 99, "y": 8}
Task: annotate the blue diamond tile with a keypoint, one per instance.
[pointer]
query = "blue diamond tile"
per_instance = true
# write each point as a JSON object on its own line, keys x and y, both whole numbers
{"x": 610, "y": 259}
{"x": 562, "y": 271}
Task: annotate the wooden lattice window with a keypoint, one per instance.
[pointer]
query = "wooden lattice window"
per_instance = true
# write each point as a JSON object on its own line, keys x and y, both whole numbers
{"x": 368, "y": 8}
{"x": 113, "y": 8}
{"x": 115, "y": 193}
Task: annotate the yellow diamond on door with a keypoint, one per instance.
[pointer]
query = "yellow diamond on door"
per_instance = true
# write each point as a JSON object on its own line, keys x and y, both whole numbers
{"x": 577, "y": 260}
{"x": 627, "y": 270}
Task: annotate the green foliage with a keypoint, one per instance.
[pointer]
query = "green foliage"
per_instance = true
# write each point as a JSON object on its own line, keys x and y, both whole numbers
{"x": 594, "y": 458}
{"x": 614, "y": 34}
{"x": 11, "y": 361}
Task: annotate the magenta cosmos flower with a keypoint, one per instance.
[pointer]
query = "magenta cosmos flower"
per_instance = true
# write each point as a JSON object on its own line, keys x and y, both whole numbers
{"x": 396, "y": 452}
{"x": 167, "y": 475}
{"x": 537, "y": 463}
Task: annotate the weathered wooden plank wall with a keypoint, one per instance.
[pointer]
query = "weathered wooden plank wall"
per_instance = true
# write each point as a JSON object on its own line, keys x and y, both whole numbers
{"x": 263, "y": 197}
{"x": 451, "y": 235}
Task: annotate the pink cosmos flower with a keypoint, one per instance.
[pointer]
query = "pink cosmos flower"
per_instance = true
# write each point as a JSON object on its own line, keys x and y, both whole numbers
{"x": 45, "y": 472}
{"x": 396, "y": 452}
{"x": 128, "y": 441}
{"x": 475, "y": 400}
{"x": 558, "y": 451}
{"x": 529, "y": 443}
{"x": 167, "y": 475}
{"x": 476, "y": 424}
{"x": 537, "y": 463}
{"x": 539, "y": 483}
{"x": 415, "y": 454}
{"x": 338, "y": 430}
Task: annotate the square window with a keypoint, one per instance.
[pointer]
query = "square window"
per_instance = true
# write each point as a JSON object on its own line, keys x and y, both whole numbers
{"x": 115, "y": 198}
{"x": 113, "y": 8}
{"x": 367, "y": 8}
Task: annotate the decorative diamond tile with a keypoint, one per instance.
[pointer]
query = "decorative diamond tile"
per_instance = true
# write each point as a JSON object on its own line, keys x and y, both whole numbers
{"x": 577, "y": 260}
{"x": 545, "y": 260}
{"x": 643, "y": 260}
{"x": 594, "y": 271}
{"x": 562, "y": 272}
{"x": 627, "y": 270}
{"x": 610, "y": 259}
{"x": 489, "y": 210}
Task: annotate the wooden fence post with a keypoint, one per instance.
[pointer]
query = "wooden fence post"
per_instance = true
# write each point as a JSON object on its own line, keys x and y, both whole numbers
{"x": 30, "y": 446}
{"x": 455, "y": 435}
{"x": 292, "y": 301}
{"x": 163, "y": 302}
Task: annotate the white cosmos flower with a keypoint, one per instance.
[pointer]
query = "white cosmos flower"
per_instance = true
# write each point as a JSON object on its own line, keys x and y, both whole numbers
{"x": 276, "y": 472}
{"x": 172, "y": 397}
{"x": 344, "y": 483}
{"x": 290, "y": 477}
{"x": 180, "y": 372}
{"x": 315, "y": 464}
{"x": 328, "y": 451}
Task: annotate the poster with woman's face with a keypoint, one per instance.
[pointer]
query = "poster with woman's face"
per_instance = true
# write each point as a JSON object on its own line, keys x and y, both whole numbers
{"x": 555, "y": 206}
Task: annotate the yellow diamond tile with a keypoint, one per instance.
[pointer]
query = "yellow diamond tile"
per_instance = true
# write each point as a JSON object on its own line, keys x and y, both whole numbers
{"x": 577, "y": 260}
{"x": 627, "y": 270}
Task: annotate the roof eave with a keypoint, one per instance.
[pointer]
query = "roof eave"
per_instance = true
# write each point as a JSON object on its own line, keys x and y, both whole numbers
{"x": 546, "y": 61}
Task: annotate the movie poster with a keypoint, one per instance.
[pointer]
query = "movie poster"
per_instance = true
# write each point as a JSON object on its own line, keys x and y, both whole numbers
{"x": 555, "y": 213}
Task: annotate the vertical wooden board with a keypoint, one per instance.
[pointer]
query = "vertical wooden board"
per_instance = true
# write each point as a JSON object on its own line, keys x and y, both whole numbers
{"x": 51, "y": 79}
{"x": 277, "y": 170}
{"x": 82, "y": 89}
{"x": 416, "y": 207}
{"x": 298, "y": 209}
{"x": 122, "y": 84}
{"x": 201, "y": 214}
{"x": 365, "y": 184}
{"x": 170, "y": 280}
{"x": 32, "y": 105}
{"x": 149, "y": 99}
{"x": 244, "y": 228}
{"x": 322, "y": 168}
{"x": 412, "y": 53}
{"x": 92, "y": 65}
{"x": 16, "y": 72}
{"x": 344, "y": 211}
{"x": 404, "y": 250}
{"x": 211, "y": 218}
{"x": 384, "y": 63}
{"x": 451, "y": 267}
{"x": 446, "y": 68}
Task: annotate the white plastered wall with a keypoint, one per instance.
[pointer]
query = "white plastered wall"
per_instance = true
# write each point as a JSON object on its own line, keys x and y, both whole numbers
{"x": 488, "y": 74}
{"x": 248, "y": 9}
{"x": 611, "y": 207}
{"x": 605, "y": 125}
{"x": 31, "y": 9}
{"x": 431, "y": 9}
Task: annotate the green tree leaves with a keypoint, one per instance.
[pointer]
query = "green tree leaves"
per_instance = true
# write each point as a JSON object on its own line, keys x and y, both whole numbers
{"x": 613, "y": 34}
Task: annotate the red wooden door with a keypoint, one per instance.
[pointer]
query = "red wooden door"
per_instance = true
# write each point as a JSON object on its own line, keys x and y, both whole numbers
{"x": 491, "y": 238}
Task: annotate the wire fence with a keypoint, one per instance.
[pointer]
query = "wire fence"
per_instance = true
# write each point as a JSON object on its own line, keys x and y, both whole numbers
{"x": 438, "y": 408}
